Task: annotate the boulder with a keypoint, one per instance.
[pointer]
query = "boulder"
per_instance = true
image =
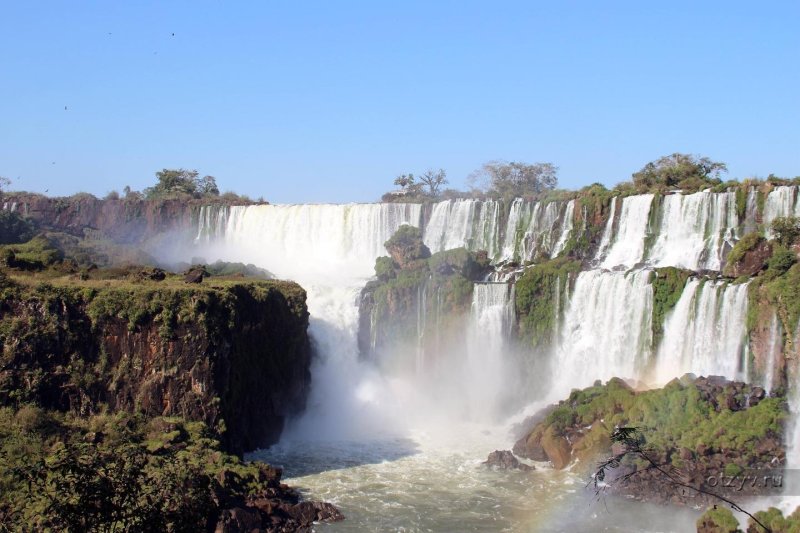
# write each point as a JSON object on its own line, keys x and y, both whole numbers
{"x": 557, "y": 448}
{"x": 505, "y": 460}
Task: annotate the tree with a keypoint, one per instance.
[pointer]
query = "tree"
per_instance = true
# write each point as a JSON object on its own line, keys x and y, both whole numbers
{"x": 434, "y": 180}
{"x": 683, "y": 171}
{"x": 408, "y": 184}
{"x": 179, "y": 182}
{"x": 515, "y": 179}
{"x": 786, "y": 230}
{"x": 207, "y": 186}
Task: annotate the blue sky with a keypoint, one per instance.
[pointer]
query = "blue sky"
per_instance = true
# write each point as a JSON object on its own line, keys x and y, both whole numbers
{"x": 329, "y": 101}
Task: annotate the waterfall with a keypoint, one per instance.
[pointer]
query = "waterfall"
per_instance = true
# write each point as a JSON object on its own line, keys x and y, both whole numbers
{"x": 693, "y": 230}
{"x": 780, "y": 202}
{"x": 705, "y": 332}
{"x": 488, "y": 376}
{"x": 330, "y": 250}
{"x": 774, "y": 352}
{"x": 450, "y": 225}
{"x": 628, "y": 243}
{"x": 608, "y": 231}
{"x": 566, "y": 228}
{"x": 606, "y": 330}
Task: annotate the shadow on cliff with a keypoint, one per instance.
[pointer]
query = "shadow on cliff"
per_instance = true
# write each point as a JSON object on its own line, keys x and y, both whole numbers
{"x": 303, "y": 458}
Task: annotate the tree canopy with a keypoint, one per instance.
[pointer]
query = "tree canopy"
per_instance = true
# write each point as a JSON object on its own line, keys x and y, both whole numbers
{"x": 679, "y": 171}
{"x": 178, "y": 182}
{"x": 515, "y": 179}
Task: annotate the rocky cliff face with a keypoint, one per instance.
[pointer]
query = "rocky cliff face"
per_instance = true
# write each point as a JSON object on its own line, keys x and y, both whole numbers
{"x": 232, "y": 354}
{"x": 123, "y": 221}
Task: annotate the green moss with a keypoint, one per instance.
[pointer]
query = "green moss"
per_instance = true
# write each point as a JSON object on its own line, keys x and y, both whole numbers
{"x": 536, "y": 297}
{"x": 718, "y": 520}
{"x": 749, "y": 242}
{"x": 668, "y": 284}
{"x": 676, "y": 416}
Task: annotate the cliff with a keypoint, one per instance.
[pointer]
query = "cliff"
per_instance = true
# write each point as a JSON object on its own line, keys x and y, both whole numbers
{"x": 233, "y": 354}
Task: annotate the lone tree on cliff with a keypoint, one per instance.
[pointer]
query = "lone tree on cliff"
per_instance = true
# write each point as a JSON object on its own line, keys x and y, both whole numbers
{"x": 180, "y": 182}
{"x": 509, "y": 180}
{"x": 681, "y": 171}
{"x": 433, "y": 180}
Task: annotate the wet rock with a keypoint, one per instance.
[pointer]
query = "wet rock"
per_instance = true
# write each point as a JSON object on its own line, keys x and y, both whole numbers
{"x": 194, "y": 275}
{"x": 557, "y": 448}
{"x": 505, "y": 460}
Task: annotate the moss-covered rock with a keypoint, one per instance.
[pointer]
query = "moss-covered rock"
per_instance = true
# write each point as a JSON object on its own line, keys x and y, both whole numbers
{"x": 418, "y": 302}
{"x": 700, "y": 426}
{"x": 540, "y": 299}
{"x": 668, "y": 284}
{"x": 748, "y": 257}
{"x": 718, "y": 520}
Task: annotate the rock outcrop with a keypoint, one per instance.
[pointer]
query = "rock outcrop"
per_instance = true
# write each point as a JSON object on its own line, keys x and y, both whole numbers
{"x": 233, "y": 354}
{"x": 704, "y": 428}
{"x": 505, "y": 460}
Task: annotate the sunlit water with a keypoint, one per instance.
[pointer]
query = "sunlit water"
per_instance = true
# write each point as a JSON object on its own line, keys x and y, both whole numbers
{"x": 402, "y": 452}
{"x": 435, "y": 482}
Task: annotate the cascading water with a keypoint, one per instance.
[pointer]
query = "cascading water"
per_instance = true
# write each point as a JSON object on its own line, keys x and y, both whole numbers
{"x": 693, "y": 229}
{"x": 628, "y": 244}
{"x": 705, "y": 332}
{"x": 782, "y": 201}
{"x": 434, "y": 425}
{"x": 489, "y": 376}
{"x": 606, "y": 331}
{"x": 774, "y": 349}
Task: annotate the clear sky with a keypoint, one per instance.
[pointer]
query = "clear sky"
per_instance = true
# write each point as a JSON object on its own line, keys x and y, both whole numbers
{"x": 329, "y": 101}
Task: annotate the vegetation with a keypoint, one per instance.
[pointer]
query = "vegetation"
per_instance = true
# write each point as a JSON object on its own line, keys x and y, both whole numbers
{"x": 537, "y": 295}
{"x": 668, "y": 284}
{"x": 427, "y": 188}
{"x": 786, "y": 230}
{"x": 511, "y": 180}
{"x": 678, "y": 171}
{"x": 116, "y": 472}
{"x": 15, "y": 228}
{"x": 749, "y": 242}
{"x": 182, "y": 182}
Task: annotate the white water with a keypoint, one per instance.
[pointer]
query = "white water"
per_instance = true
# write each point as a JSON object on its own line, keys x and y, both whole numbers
{"x": 705, "y": 332}
{"x": 606, "y": 331}
{"x": 782, "y": 201}
{"x": 774, "y": 351}
{"x": 628, "y": 245}
{"x": 489, "y": 375}
{"x": 693, "y": 228}
{"x": 388, "y": 448}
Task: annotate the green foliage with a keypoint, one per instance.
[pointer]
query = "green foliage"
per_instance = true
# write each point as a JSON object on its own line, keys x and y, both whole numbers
{"x": 780, "y": 262}
{"x": 181, "y": 182}
{"x": 536, "y": 297}
{"x": 679, "y": 415}
{"x": 786, "y": 230}
{"x": 115, "y": 473}
{"x": 718, "y": 520}
{"x": 15, "y": 228}
{"x": 783, "y": 292}
{"x": 511, "y": 180}
{"x": 749, "y": 242}
{"x": 36, "y": 254}
{"x": 682, "y": 171}
{"x": 773, "y": 518}
{"x": 668, "y": 284}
